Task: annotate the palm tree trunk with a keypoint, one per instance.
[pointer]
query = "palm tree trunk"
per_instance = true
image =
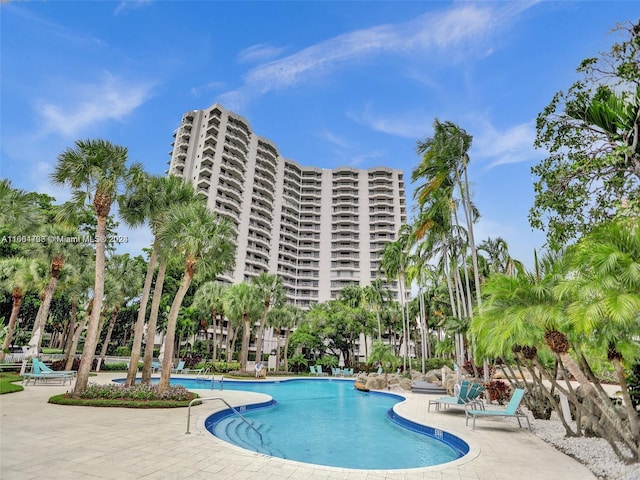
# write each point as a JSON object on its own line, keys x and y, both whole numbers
{"x": 286, "y": 350}
{"x": 230, "y": 345}
{"x": 73, "y": 320}
{"x": 171, "y": 331}
{"x": 278, "y": 355}
{"x": 246, "y": 337}
{"x": 260, "y": 333}
{"x": 43, "y": 311}
{"x": 603, "y": 405}
{"x": 136, "y": 347}
{"x": 107, "y": 338}
{"x": 214, "y": 322}
{"x": 632, "y": 414}
{"x": 74, "y": 343}
{"x": 17, "y": 295}
{"x": 86, "y": 362}
{"x": 153, "y": 321}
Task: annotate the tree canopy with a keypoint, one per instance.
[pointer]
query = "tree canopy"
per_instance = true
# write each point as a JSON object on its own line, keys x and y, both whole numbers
{"x": 591, "y": 135}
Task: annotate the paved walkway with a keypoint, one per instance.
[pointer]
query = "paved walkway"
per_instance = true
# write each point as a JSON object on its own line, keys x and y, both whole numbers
{"x": 49, "y": 442}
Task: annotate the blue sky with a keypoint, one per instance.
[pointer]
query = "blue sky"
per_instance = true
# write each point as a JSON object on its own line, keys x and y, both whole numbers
{"x": 331, "y": 83}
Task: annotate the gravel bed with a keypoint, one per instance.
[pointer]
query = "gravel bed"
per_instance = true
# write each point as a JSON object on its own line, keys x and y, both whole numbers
{"x": 595, "y": 453}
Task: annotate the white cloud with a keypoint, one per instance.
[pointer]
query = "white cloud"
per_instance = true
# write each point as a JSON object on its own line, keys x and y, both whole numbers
{"x": 412, "y": 125}
{"x": 131, "y": 5}
{"x": 197, "y": 91}
{"x": 513, "y": 144}
{"x": 88, "y": 104}
{"x": 259, "y": 53}
{"x": 459, "y": 28}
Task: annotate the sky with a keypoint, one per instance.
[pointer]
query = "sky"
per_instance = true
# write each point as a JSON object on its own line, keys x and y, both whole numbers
{"x": 331, "y": 83}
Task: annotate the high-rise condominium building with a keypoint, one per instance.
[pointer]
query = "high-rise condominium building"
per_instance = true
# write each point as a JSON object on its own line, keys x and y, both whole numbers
{"x": 319, "y": 229}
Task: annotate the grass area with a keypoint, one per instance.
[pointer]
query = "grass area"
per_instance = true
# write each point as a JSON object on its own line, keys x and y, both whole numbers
{"x": 7, "y": 385}
{"x": 65, "y": 399}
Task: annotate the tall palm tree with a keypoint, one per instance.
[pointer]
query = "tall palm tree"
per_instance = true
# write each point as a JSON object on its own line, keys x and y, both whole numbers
{"x": 54, "y": 254}
{"x": 150, "y": 202}
{"x": 271, "y": 289}
{"x": 209, "y": 299}
{"x": 97, "y": 172}
{"x": 18, "y": 275}
{"x": 376, "y": 295}
{"x": 206, "y": 244}
{"x": 394, "y": 264}
{"x": 127, "y": 275}
{"x": 499, "y": 258}
{"x": 243, "y": 301}
{"x": 78, "y": 288}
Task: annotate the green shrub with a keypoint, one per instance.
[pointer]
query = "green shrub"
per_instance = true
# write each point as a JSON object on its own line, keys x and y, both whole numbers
{"x": 135, "y": 392}
{"x": 222, "y": 367}
{"x": 123, "y": 352}
{"x": 117, "y": 367}
{"x": 437, "y": 363}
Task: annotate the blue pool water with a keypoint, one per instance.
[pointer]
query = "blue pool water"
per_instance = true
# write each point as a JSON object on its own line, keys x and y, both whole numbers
{"x": 328, "y": 422}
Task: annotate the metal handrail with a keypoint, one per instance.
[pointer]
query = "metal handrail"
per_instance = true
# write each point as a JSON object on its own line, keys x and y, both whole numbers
{"x": 228, "y": 405}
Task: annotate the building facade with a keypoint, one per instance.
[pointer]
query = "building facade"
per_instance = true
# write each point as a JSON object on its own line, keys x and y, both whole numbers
{"x": 318, "y": 229}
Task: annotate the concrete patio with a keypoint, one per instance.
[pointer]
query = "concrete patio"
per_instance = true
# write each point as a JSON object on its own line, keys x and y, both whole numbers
{"x": 46, "y": 442}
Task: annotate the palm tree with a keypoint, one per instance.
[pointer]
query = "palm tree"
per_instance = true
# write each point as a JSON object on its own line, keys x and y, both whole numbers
{"x": 96, "y": 171}
{"x": 150, "y": 202}
{"x": 77, "y": 288}
{"x": 127, "y": 275}
{"x": 383, "y": 355}
{"x": 394, "y": 264}
{"x": 271, "y": 289}
{"x": 499, "y": 258}
{"x": 209, "y": 299}
{"x": 54, "y": 253}
{"x": 352, "y": 295}
{"x": 18, "y": 209}
{"x": 206, "y": 244}
{"x": 605, "y": 290}
{"x": 243, "y": 301}
{"x": 18, "y": 275}
{"x": 377, "y": 295}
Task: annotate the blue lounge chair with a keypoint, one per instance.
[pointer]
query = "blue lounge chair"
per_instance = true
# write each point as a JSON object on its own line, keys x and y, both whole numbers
{"x": 512, "y": 410}
{"x": 312, "y": 369}
{"x": 461, "y": 397}
{"x": 156, "y": 366}
{"x": 37, "y": 375}
{"x": 45, "y": 369}
{"x": 379, "y": 370}
{"x": 179, "y": 368}
{"x": 320, "y": 372}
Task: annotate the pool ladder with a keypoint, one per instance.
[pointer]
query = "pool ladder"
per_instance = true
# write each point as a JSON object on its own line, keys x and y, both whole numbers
{"x": 228, "y": 405}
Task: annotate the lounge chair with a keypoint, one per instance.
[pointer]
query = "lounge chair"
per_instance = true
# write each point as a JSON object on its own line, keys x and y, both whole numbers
{"x": 312, "y": 369}
{"x": 512, "y": 410}
{"x": 45, "y": 369}
{"x": 156, "y": 366}
{"x": 179, "y": 368}
{"x": 348, "y": 372}
{"x": 379, "y": 370}
{"x": 460, "y": 399}
{"x": 320, "y": 372}
{"x": 38, "y": 375}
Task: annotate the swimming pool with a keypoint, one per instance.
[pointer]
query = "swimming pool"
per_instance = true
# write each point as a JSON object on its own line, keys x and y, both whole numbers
{"x": 329, "y": 422}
